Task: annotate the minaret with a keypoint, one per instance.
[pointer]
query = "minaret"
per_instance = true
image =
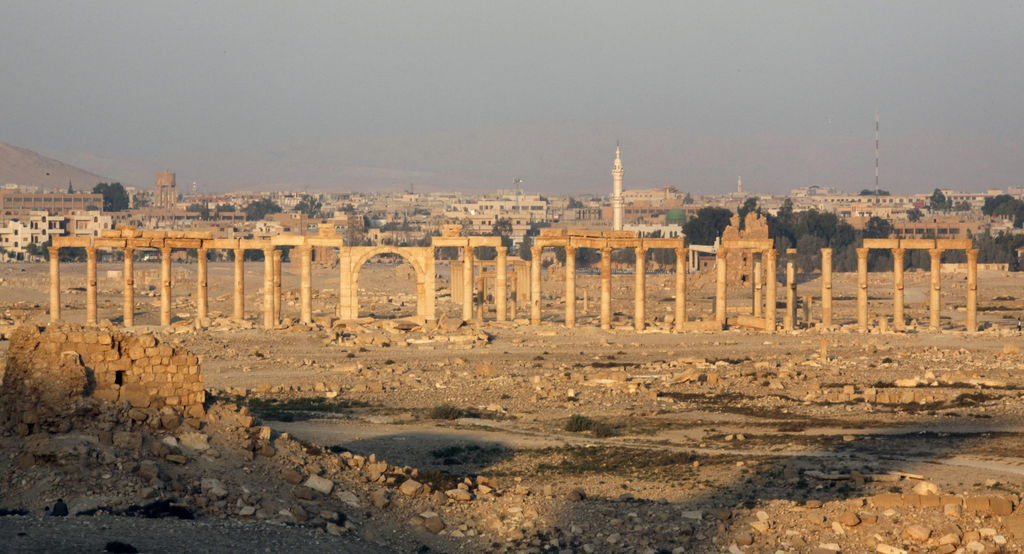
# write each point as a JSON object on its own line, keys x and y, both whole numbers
{"x": 739, "y": 185}
{"x": 617, "y": 173}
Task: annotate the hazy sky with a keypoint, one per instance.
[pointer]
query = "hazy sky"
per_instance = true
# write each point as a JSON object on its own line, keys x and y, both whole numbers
{"x": 781, "y": 92}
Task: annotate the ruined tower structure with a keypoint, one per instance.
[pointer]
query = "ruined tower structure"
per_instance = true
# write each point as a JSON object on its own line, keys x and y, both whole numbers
{"x": 166, "y": 190}
{"x": 617, "y": 173}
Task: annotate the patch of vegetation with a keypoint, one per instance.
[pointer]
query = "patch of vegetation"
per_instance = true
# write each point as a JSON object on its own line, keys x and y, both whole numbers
{"x": 465, "y": 454}
{"x": 447, "y": 411}
{"x": 580, "y": 424}
{"x": 575, "y": 460}
{"x": 450, "y": 412}
{"x": 730, "y": 361}
{"x": 296, "y": 409}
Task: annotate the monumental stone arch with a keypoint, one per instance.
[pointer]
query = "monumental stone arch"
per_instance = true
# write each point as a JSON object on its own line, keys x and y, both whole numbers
{"x": 352, "y": 259}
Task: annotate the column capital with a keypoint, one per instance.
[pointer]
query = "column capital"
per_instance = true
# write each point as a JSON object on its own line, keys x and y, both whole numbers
{"x": 54, "y": 251}
{"x": 972, "y": 254}
{"x": 826, "y": 251}
{"x": 570, "y": 249}
{"x": 899, "y": 252}
{"x": 862, "y": 252}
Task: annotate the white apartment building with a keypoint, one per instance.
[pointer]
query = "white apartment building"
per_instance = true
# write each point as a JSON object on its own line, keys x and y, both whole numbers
{"x": 35, "y": 228}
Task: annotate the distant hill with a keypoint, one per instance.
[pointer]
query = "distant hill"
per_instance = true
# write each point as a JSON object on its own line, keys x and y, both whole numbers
{"x": 25, "y": 167}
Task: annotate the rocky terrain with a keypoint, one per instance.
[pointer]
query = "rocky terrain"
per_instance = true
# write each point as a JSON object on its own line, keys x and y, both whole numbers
{"x": 390, "y": 435}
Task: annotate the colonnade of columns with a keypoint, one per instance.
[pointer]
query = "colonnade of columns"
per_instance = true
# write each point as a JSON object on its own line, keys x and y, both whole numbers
{"x": 471, "y": 291}
{"x": 898, "y": 298}
{"x": 605, "y": 313}
{"x": 271, "y": 277}
{"x": 764, "y": 285}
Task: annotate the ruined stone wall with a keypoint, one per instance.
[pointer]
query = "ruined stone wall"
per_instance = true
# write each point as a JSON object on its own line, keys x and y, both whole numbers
{"x": 50, "y": 367}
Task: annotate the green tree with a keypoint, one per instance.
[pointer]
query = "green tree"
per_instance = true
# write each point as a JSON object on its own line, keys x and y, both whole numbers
{"x": 259, "y": 209}
{"x": 874, "y": 192}
{"x": 707, "y": 225}
{"x": 938, "y": 202}
{"x": 878, "y": 228}
{"x": 749, "y": 205}
{"x": 309, "y": 205}
{"x": 115, "y": 198}
{"x": 914, "y": 215}
{"x": 201, "y": 209}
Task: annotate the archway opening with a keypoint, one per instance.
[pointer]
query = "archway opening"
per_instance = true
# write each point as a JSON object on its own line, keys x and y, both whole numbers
{"x": 387, "y": 287}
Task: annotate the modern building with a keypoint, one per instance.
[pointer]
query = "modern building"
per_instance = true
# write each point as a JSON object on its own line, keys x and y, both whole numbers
{"x": 19, "y": 204}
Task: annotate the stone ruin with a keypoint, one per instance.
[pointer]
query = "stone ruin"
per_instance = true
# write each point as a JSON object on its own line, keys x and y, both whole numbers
{"x": 740, "y": 261}
{"x": 51, "y": 370}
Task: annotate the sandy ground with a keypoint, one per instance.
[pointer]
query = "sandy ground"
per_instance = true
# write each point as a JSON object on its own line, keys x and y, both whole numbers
{"x": 695, "y": 443}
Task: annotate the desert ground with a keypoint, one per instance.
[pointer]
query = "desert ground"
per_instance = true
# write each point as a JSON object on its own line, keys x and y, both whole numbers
{"x": 546, "y": 439}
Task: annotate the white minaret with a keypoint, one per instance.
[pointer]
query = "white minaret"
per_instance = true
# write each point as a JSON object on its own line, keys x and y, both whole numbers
{"x": 739, "y": 185}
{"x": 617, "y": 173}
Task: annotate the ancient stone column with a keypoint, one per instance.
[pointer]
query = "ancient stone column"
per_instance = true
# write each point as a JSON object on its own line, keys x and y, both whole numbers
{"x": 771, "y": 277}
{"x": 789, "y": 318}
{"x": 455, "y": 267}
{"x": 54, "y": 283}
{"x": 501, "y": 283}
{"x": 348, "y": 286}
{"x": 535, "y": 253}
{"x": 202, "y": 298}
{"x": 90, "y": 286}
{"x": 165, "y": 286}
{"x": 606, "y": 288}
{"x": 238, "y": 311}
{"x": 680, "y": 289}
{"x": 721, "y": 277}
{"x": 428, "y": 298}
{"x": 935, "y": 304}
{"x": 586, "y": 301}
{"x": 129, "y": 287}
{"x": 972, "y": 290}
{"x": 897, "y": 289}
{"x": 826, "y": 287}
{"x": 862, "y": 289}
{"x": 758, "y": 286}
{"x": 640, "y": 289}
{"x": 306, "y": 283}
{"x": 278, "y": 256}
{"x": 513, "y": 308}
{"x": 268, "y": 288}
{"x": 467, "y": 282}
{"x": 570, "y": 287}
